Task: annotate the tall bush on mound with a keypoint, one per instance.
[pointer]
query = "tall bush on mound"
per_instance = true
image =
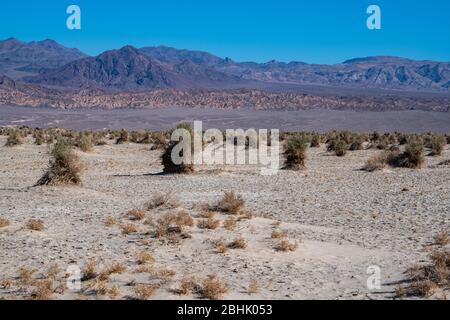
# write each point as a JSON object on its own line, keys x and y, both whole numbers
{"x": 295, "y": 153}
{"x": 412, "y": 157}
{"x": 14, "y": 138}
{"x": 340, "y": 148}
{"x": 64, "y": 167}
{"x": 186, "y": 166}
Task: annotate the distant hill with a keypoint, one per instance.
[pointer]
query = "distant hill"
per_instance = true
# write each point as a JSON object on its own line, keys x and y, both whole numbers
{"x": 19, "y": 58}
{"x": 49, "y": 63}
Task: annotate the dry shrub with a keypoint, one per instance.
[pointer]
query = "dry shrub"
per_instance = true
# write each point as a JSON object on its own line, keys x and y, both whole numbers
{"x": 128, "y": 228}
{"x": 144, "y": 257}
{"x": 172, "y": 225}
{"x": 99, "y": 286}
{"x": 230, "y": 203}
{"x": 230, "y": 224}
{"x": 253, "y": 287}
{"x": 442, "y": 238}
{"x": 14, "y": 139}
{"x": 212, "y": 288}
{"x": 208, "y": 223}
{"x": 35, "y": 225}
{"x": 315, "y": 141}
{"x": 43, "y": 290}
{"x": 238, "y": 243}
{"x": 221, "y": 247}
{"x": 376, "y": 162}
{"x": 425, "y": 279}
{"x": 114, "y": 268}
{"x": 144, "y": 291}
{"x": 187, "y": 285}
{"x": 114, "y": 292}
{"x": 284, "y": 245}
{"x": 162, "y": 199}
{"x": 135, "y": 214}
{"x": 4, "y": 222}
{"x": 89, "y": 271}
{"x": 64, "y": 167}
{"x": 110, "y": 221}
{"x": 53, "y": 272}
{"x": 25, "y": 275}
{"x": 295, "y": 153}
{"x": 277, "y": 234}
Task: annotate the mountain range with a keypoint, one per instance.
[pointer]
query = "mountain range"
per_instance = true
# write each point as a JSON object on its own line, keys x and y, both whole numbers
{"x": 50, "y": 64}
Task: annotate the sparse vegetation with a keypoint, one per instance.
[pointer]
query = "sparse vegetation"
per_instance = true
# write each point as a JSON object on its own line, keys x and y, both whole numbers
{"x": 209, "y": 223}
{"x": 4, "y": 222}
{"x": 284, "y": 245}
{"x": 442, "y": 238}
{"x": 144, "y": 291}
{"x": 231, "y": 203}
{"x": 212, "y": 288}
{"x": 35, "y": 225}
{"x": 238, "y": 243}
{"x": 376, "y": 162}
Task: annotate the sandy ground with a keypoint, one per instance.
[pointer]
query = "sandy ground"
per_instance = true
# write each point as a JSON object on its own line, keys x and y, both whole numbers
{"x": 343, "y": 219}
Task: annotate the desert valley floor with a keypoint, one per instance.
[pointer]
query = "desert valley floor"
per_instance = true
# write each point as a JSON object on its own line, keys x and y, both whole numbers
{"x": 343, "y": 219}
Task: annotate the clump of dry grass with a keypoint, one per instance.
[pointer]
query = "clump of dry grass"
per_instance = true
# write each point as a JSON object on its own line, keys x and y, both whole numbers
{"x": 35, "y": 225}
{"x": 187, "y": 285}
{"x": 114, "y": 292}
{"x": 231, "y": 203}
{"x": 208, "y": 223}
{"x": 253, "y": 287}
{"x": 284, "y": 245}
{"x": 426, "y": 279}
{"x": 162, "y": 199}
{"x": 113, "y": 268}
{"x": 110, "y": 221}
{"x": 212, "y": 288}
{"x": 376, "y": 162}
{"x": 238, "y": 243}
{"x": 171, "y": 225}
{"x": 442, "y": 238}
{"x": 89, "y": 271}
{"x": 277, "y": 234}
{"x": 135, "y": 214}
{"x": 144, "y": 257}
{"x": 43, "y": 290}
{"x": 4, "y": 222}
{"x": 144, "y": 291}
{"x": 99, "y": 286}
{"x": 25, "y": 275}
{"x": 221, "y": 247}
{"x": 64, "y": 167}
{"x": 230, "y": 224}
{"x": 128, "y": 228}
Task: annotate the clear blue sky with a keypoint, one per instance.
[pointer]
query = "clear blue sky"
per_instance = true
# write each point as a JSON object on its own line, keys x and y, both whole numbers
{"x": 316, "y": 31}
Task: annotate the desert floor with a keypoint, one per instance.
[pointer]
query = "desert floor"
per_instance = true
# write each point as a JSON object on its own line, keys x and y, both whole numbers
{"x": 343, "y": 219}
